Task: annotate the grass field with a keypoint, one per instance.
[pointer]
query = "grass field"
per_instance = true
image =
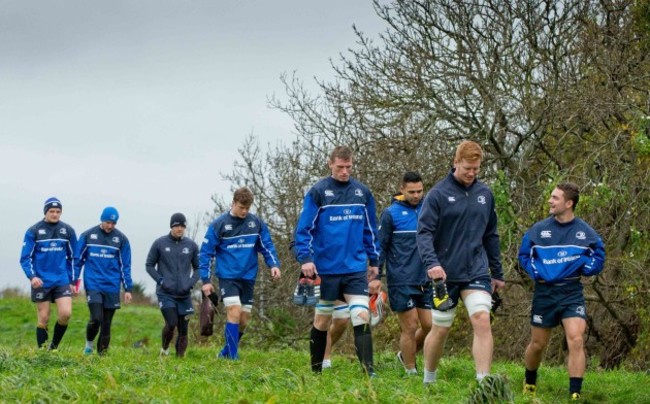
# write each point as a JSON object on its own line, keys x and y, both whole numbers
{"x": 133, "y": 371}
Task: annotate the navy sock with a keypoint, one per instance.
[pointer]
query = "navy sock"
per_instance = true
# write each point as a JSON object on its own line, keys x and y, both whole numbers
{"x": 531, "y": 376}
{"x": 363, "y": 345}
{"x": 575, "y": 385}
{"x": 317, "y": 345}
{"x": 59, "y": 331}
{"x": 41, "y": 336}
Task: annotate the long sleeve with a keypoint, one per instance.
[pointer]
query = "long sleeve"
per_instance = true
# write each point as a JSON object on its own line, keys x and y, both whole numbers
{"x": 196, "y": 274}
{"x": 305, "y": 227}
{"x": 595, "y": 261}
{"x": 80, "y": 256}
{"x": 492, "y": 245}
{"x": 152, "y": 261}
{"x": 370, "y": 236}
{"x": 426, "y": 233}
{"x": 525, "y": 256}
{"x": 207, "y": 253}
{"x": 266, "y": 247}
{"x": 27, "y": 254}
{"x": 385, "y": 234}
{"x": 125, "y": 262}
{"x": 72, "y": 246}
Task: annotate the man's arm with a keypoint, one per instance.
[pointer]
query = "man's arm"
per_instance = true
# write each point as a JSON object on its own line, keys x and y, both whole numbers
{"x": 266, "y": 247}
{"x": 305, "y": 228}
{"x": 125, "y": 261}
{"x": 492, "y": 245}
{"x": 525, "y": 256}
{"x": 152, "y": 261}
{"x": 426, "y": 231}
{"x": 595, "y": 259}
{"x": 69, "y": 258}
{"x": 370, "y": 234}
{"x": 27, "y": 254}
{"x": 385, "y": 235}
{"x": 207, "y": 253}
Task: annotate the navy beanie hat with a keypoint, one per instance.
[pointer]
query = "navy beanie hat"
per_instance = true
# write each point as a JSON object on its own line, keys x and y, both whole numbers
{"x": 109, "y": 214}
{"x": 178, "y": 219}
{"x": 50, "y": 203}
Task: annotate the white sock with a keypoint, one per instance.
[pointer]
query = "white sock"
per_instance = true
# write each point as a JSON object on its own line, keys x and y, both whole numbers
{"x": 327, "y": 363}
{"x": 430, "y": 376}
{"x": 413, "y": 371}
{"x": 480, "y": 376}
{"x": 89, "y": 344}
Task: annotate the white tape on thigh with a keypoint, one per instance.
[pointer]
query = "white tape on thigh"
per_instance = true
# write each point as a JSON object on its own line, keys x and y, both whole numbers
{"x": 443, "y": 318}
{"x": 325, "y": 307}
{"x": 231, "y": 301}
{"x": 341, "y": 311}
{"x": 477, "y": 301}
{"x": 359, "y": 305}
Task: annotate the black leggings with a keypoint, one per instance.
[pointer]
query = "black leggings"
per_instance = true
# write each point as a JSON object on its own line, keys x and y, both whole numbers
{"x": 100, "y": 321}
{"x": 173, "y": 320}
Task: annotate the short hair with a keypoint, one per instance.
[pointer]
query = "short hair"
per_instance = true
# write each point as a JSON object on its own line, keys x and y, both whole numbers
{"x": 571, "y": 192}
{"x": 341, "y": 152}
{"x": 244, "y": 196}
{"x": 468, "y": 150}
{"x": 411, "y": 177}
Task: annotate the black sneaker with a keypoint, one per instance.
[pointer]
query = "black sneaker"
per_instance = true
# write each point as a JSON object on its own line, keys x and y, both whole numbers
{"x": 299, "y": 295}
{"x": 441, "y": 300}
{"x": 496, "y": 303}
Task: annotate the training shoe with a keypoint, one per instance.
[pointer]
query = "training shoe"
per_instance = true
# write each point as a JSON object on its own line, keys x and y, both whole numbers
{"x": 529, "y": 390}
{"x": 576, "y": 397}
{"x": 88, "y": 351}
{"x": 299, "y": 296}
{"x": 441, "y": 300}
{"x": 377, "y": 306}
{"x": 496, "y": 303}
{"x": 164, "y": 352}
{"x": 312, "y": 291}
{"x": 327, "y": 363}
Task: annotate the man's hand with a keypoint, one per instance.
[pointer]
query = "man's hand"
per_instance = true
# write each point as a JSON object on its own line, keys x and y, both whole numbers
{"x": 309, "y": 269}
{"x": 127, "y": 297}
{"x": 373, "y": 272}
{"x": 207, "y": 289}
{"x": 437, "y": 273}
{"x": 497, "y": 285}
{"x": 36, "y": 282}
{"x": 374, "y": 287}
{"x": 275, "y": 273}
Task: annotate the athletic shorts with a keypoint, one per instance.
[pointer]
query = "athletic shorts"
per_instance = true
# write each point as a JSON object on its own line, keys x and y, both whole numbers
{"x": 183, "y": 305}
{"x": 237, "y": 287}
{"x": 333, "y": 287}
{"x": 50, "y": 294}
{"x": 554, "y": 302}
{"x": 405, "y": 298}
{"x": 108, "y": 299}
{"x": 483, "y": 283}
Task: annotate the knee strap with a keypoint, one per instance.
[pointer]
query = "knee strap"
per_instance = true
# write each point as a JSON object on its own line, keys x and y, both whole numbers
{"x": 359, "y": 310}
{"x": 476, "y": 302}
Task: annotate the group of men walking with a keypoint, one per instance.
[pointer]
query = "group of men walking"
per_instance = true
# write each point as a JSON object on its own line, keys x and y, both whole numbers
{"x": 444, "y": 245}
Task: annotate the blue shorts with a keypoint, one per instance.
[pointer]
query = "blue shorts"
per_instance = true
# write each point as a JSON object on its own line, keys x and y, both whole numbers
{"x": 483, "y": 283}
{"x": 108, "y": 299}
{"x": 554, "y": 302}
{"x": 333, "y": 287}
{"x": 50, "y": 294}
{"x": 237, "y": 287}
{"x": 183, "y": 305}
{"x": 405, "y": 298}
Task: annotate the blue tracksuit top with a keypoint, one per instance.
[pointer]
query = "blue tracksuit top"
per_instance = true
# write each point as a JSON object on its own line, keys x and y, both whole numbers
{"x": 552, "y": 251}
{"x": 457, "y": 229}
{"x": 48, "y": 253}
{"x": 235, "y": 243}
{"x": 399, "y": 252}
{"x": 106, "y": 260}
{"x": 174, "y": 264}
{"x": 337, "y": 229}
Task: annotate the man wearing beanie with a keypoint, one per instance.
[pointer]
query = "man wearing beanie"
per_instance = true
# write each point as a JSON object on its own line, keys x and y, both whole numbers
{"x": 173, "y": 262}
{"x": 47, "y": 260}
{"x": 233, "y": 240}
{"x": 104, "y": 253}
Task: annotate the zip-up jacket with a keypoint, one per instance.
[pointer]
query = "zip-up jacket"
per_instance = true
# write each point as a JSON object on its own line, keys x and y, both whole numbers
{"x": 399, "y": 252}
{"x": 552, "y": 251}
{"x": 173, "y": 263}
{"x": 48, "y": 253}
{"x": 233, "y": 243}
{"x": 337, "y": 229}
{"x": 457, "y": 230}
{"x": 106, "y": 260}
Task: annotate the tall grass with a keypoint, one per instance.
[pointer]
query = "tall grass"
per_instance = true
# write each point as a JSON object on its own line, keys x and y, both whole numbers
{"x": 133, "y": 371}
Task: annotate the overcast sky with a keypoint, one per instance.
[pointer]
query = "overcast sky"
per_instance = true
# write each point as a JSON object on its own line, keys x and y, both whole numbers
{"x": 142, "y": 104}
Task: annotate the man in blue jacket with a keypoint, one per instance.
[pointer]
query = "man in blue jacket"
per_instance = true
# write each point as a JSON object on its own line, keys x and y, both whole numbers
{"x": 173, "y": 262}
{"x": 336, "y": 238}
{"x": 104, "y": 253}
{"x": 409, "y": 289}
{"x": 458, "y": 242}
{"x": 233, "y": 242}
{"x": 47, "y": 260}
{"x": 556, "y": 252}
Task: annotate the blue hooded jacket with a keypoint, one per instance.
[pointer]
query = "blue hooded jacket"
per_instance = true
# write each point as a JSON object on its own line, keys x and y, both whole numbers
{"x": 399, "y": 251}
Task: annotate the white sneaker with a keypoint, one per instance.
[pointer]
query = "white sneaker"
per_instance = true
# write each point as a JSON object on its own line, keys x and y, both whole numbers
{"x": 164, "y": 352}
{"x": 327, "y": 363}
